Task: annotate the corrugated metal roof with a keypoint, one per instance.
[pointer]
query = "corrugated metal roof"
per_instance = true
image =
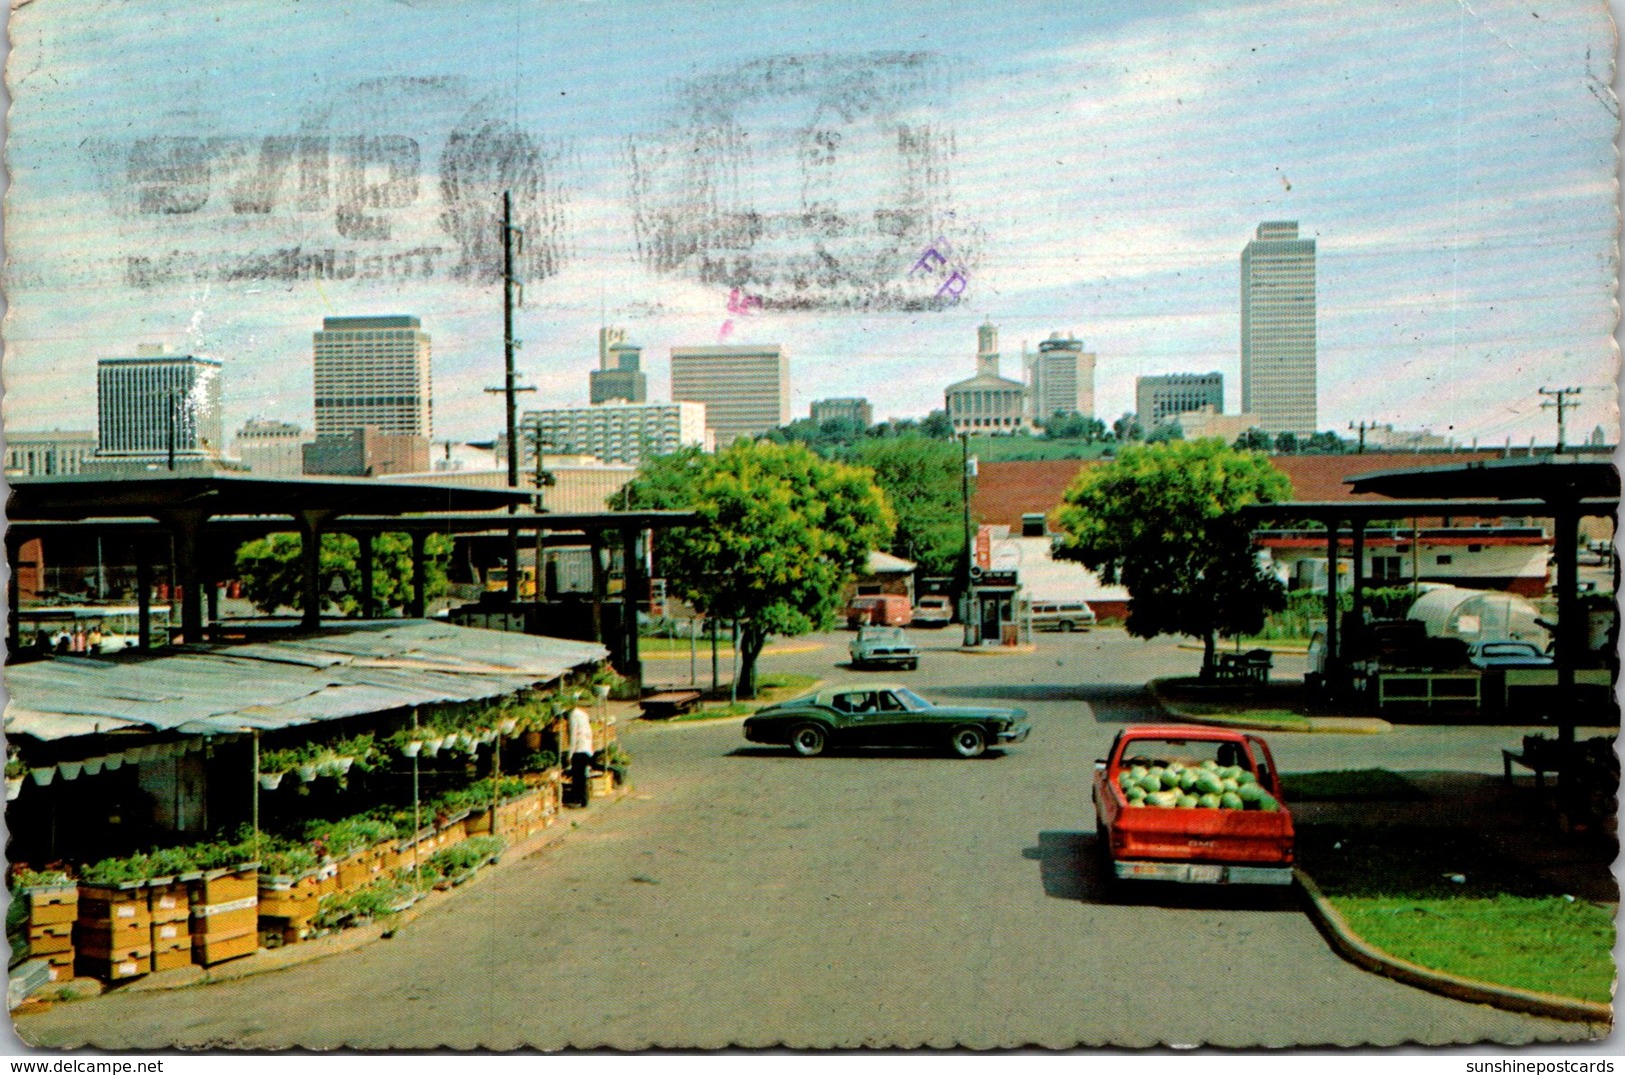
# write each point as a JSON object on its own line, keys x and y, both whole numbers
{"x": 266, "y": 685}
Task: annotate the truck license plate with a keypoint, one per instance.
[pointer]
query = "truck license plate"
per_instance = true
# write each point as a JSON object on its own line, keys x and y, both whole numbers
{"x": 1206, "y": 874}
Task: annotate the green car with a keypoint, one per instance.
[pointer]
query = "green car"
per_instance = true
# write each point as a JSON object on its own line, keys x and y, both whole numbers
{"x": 883, "y": 715}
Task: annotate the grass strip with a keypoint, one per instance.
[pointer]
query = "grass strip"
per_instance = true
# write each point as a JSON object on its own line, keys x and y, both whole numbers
{"x": 1348, "y": 785}
{"x": 1551, "y": 944}
{"x": 1448, "y": 900}
{"x": 769, "y": 689}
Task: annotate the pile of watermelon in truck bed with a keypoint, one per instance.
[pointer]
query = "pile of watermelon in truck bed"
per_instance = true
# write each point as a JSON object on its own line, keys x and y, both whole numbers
{"x": 1202, "y": 805}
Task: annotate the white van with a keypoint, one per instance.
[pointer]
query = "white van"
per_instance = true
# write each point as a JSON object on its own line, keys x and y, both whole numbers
{"x": 1062, "y": 616}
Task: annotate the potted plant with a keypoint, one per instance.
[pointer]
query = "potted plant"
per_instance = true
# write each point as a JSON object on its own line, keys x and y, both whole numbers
{"x": 274, "y": 765}
{"x": 43, "y": 774}
{"x": 16, "y": 773}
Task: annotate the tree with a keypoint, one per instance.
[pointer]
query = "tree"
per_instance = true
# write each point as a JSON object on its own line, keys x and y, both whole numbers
{"x": 1254, "y": 440}
{"x": 1162, "y": 520}
{"x": 1286, "y": 443}
{"x": 272, "y": 573}
{"x": 1128, "y": 428}
{"x": 780, "y": 533}
{"x": 1327, "y": 443}
{"x": 1166, "y": 431}
{"x": 936, "y": 425}
{"x": 1074, "y": 426}
{"x": 921, "y": 479}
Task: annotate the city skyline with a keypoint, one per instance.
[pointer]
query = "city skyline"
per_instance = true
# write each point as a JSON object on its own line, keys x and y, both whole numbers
{"x": 1462, "y": 203}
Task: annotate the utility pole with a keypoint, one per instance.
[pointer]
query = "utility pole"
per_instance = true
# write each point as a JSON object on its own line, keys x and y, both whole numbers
{"x": 510, "y": 387}
{"x": 1362, "y": 427}
{"x": 1560, "y": 401}
{"x": 967, "y": 601}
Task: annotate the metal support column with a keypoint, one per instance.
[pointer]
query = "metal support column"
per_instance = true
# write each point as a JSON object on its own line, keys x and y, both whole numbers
{"x": 13, "y": 547}
{"x": 1334, "y": 656}
{"x": 420, "y": 574}
{"x": 1571, "y": 627}
{"x": 1356, "y": 642}
{"x": 367, "y": 609}
{"x": 184, "y": 526}
{"x": 143, "y": 595}
{"x": 634, "y": 584}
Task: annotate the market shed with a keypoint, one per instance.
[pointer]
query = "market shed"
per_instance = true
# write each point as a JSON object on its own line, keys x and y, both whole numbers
{"x": 129, "y": 747}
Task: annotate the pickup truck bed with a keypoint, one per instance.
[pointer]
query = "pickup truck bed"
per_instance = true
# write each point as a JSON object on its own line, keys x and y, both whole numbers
{"x": 1192, "y": 844}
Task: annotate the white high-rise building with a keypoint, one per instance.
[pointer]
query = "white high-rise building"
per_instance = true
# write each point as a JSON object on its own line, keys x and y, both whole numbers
{"x": 1278, "y": 329}
{"x": 155, "y": 404}
{"x": 373, "y": 372}
{"x": 1061, "y": 378}
{"x": 615, "y": 432}
{"x": 745, "y": 387}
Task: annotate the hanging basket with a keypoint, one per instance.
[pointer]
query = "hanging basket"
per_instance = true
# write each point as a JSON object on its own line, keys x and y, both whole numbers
{"x": 602, "y": 691}
{"x": 342, "y": 765}
{"x": 432, "y": 745}
{"x": 508, "y": 725}
{"x": 412, "y": 748}
{"x": 271, "y": 781}
{"x": 307, "y": 773}
{"x": 14, "y": 787}
{"x": 43, "y": 775}
{"x": 70, "y": 770}
{"x": 113, "y": 762}
{"x": 93, "y": 766}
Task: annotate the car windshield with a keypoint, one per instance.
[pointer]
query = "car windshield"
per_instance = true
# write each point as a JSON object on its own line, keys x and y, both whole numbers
{"x": 911, "y": 700}
{"x": 882, "y": 634}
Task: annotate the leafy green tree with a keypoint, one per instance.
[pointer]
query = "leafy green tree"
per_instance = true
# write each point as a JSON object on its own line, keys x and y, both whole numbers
{"x": 272, "y": 573}
{"x": 1286, "y": 443}
{"x": 1074, "y": 426}
{"x": 1162, "y": 520}
{"x": 780, "y": 533}
{"x": 1166, "y": 431}
{"x": 1254, "y": 440}
{"x": 921, "y": 479}
{"x": 1128, "y": 428}
{"x": 1326, "y": 443}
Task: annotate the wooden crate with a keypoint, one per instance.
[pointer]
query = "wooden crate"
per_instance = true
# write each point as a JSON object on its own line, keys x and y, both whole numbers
{"x": 210, "y": 950}
{"x": 109, "y": 905}
{"x": 113, "y": 948}
{"x": 172, "y": 958}
{"x": 61, "y": 964}
{"x": 169, "y": 903}
{"x": 227, "y": 919}
{"x": 50, "y": 938}
{"x": 226, "y": 887}
{"x": 47, "y": 906}
{"x": 167, "y": 936}
{"x": 113, "y": 970}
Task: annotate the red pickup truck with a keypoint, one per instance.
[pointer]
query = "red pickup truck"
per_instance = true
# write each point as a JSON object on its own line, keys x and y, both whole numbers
{"x": 1157, "y": 823}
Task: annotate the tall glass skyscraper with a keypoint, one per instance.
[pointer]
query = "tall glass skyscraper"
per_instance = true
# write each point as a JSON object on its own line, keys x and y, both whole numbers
{"x": 1278, "y": 329}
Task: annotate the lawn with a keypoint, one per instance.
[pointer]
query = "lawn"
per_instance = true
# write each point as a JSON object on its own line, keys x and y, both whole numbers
{"x": 1347, "y": 785}
{"x": 1227, "y": 705}
{"x": 769, "y": 689}
{"x": 1446, "y": 900}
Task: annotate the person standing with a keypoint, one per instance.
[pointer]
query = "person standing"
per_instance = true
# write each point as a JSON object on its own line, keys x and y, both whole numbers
{"x": 580, "y": 757}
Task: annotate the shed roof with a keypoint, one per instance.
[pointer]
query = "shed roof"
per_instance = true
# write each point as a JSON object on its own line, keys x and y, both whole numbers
{"x": 270, "y": 685}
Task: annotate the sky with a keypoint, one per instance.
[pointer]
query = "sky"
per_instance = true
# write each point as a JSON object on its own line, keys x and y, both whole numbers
{"x": 221, "y": 177}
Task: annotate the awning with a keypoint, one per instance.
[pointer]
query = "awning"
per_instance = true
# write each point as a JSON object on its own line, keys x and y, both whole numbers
{"x": 271, "y": 685}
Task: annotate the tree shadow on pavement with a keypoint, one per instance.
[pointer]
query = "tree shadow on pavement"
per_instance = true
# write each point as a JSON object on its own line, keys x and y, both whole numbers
{"x": 1071, "y": 867}
{"x": 1111, "y": 703}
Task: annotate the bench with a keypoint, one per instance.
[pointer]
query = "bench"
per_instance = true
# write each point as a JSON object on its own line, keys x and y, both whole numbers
{"x": 1251, "y": 668}
{"x": 1540, "y": 756}
{"x": 668, "y": 704}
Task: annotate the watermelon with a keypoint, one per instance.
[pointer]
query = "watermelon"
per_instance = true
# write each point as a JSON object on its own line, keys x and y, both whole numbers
{"x": 1230, "y": 801}
{"x": 1247, "y": 778}
{"x": 1137, "y": 802}
{"x": 1136, "y": 794}
{"x": 1208, "y": 783}
{"x": 1230, "y": 784}
{"x": 1187, "y": 801}
{"x": 1170, "y": 780}
{"x": 1188, "y": 779}
{"x": 1209, "y": 801}
{"x": 1251, "y": 794}
{"x": 1268, "y": 803}
{"x": 1210, "y": 765}
{"x": 1162, "y": 798}
{"x": 1150, "y": 782}
{"x": 1231, "y": 772}
{"x": 1137, "y": 771}
{"x": 1125, "y": 779}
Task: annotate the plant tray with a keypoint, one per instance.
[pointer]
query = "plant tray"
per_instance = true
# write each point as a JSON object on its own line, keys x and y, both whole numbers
{"x": 220, "y": 886}
{"x": 53, "y": 895}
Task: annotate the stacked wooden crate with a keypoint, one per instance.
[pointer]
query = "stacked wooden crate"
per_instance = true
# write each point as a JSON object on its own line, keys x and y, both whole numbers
{"x": 169, "y": 906}
{"x": 51, "y": 913}
{"x": 113, "y": 931}
{"x": 225, "y": 915}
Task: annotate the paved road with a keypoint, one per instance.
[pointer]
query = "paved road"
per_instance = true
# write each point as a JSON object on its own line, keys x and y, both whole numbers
{"x": 747, "y": 897}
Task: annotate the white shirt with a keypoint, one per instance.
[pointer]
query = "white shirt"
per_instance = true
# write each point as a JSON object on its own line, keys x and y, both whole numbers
{"x": 580, "y": 731}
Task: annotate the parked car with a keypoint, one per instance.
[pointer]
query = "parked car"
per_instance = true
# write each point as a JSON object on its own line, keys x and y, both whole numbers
{"x": 881, "y": 715}
{"x": 1506, "y": 653}
{"x": 892, "y": 610}
{"x": 1062, "y": 616}
{"x": 883, "y": 647}
{"x": 934, "y": 610}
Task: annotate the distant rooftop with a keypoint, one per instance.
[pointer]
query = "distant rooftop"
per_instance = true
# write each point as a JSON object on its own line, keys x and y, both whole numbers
{"x": 334, "y": 324}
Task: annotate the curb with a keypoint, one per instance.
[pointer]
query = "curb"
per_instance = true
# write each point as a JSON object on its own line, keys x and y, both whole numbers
{"x": 1357, "y": 950}
{"x": 1311, "y": 725}
{"x": 997, "y": 651}
{"x": 285, "y": 957}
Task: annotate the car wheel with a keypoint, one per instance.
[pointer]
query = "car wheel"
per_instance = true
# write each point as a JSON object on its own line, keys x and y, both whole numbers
{"x": 912, "y": 665}
{"x": 1065, "y": 625}
{"x": 968, "y": 741}
{"x": 809, "y": 740}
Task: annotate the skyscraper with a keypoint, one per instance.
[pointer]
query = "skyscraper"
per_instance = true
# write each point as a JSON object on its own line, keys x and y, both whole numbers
{"x": 373, "y": 372}
{"x": 1061, "y": 377}
{"x": 745, "y": 387}
{"x": 1278, "y": 329}
{"x": 617, "y": 375}
{"x": 156, "y": 404}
